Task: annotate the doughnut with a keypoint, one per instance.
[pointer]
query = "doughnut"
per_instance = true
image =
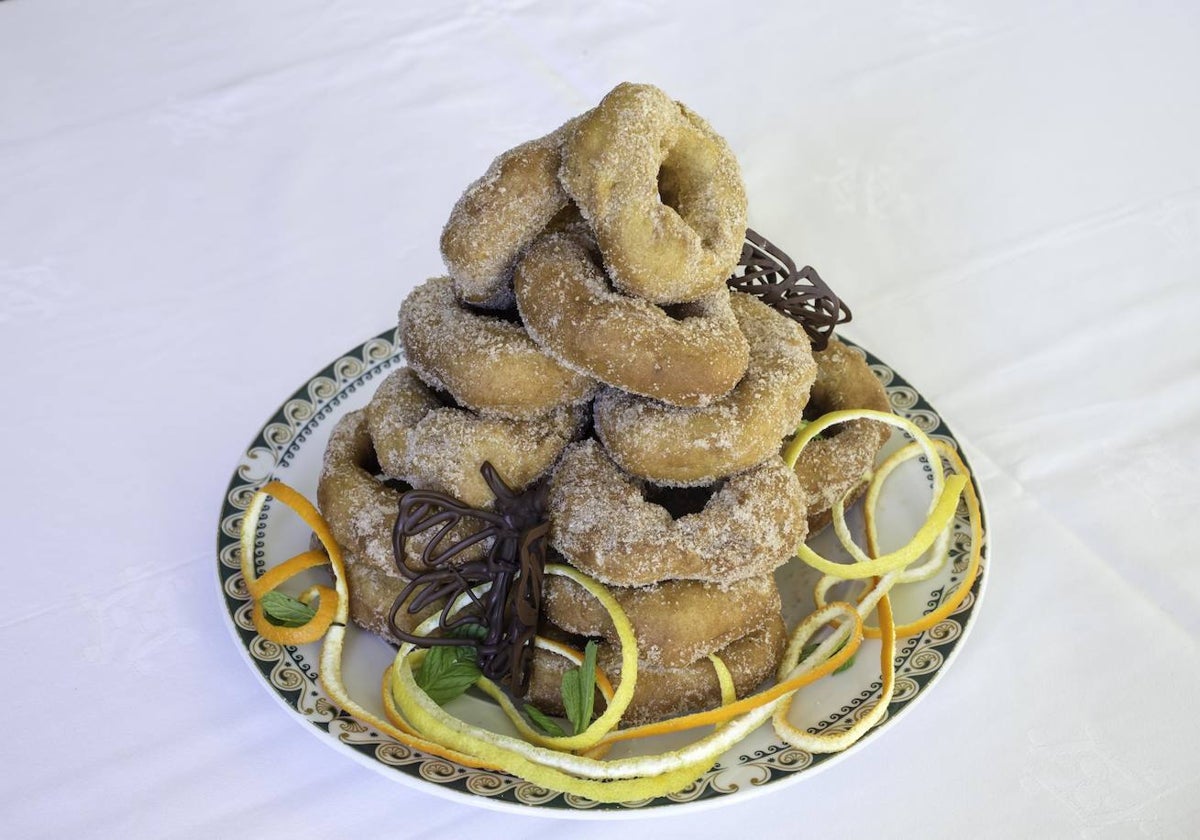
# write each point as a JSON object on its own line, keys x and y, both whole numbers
{"x": 662, "y": 191}
{"x": 442, "y": 447}
{"x": 686, "y": 447}
{"x": 488, "y": 364}
{"x": 372, "y": 594}
{"x": 360, "y": 509}
{"x": 676, "y": 622}
{"x": 687, "y": 356}
{"x": 668, "y": 692}
{"x": 499, "y": 215}
{"x": 835, "y": 465}
{"x": 602, "y": 522}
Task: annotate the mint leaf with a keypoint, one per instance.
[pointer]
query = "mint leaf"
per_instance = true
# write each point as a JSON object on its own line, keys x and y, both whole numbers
{"x": 448, "y": 671}
{"x": 579, "y": 690}
{"x": 807, "y": 650}
{"x": 285, "y": 611}
{"x": 471, "y": 630}
{"x": 543, "y": 722}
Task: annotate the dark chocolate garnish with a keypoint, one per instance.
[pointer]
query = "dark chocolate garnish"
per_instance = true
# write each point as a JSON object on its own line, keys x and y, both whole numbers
{"x": 514, "y": 565}
{"x": 768, "y": 273}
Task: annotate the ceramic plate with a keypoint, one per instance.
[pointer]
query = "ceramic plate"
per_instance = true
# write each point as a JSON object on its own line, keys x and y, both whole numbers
{"x": 289, "y": 448}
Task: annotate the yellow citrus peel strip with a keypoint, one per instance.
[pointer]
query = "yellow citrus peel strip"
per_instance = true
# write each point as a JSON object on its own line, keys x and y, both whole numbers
{"x": 974, "y": 515}
{"x": 940, "y": 516}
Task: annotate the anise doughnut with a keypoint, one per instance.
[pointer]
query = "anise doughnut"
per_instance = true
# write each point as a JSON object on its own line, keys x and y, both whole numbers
{"x": 676, "y": 621}
{"x": 499, "y": 215}
{"x": 691, "y": 446}
{"x": 662, "y": 191}
{"x": 688, "y": 357}
{"x": 602, "y": 522}
{"x": 441, "y": 447}
{"x": 487, "y": 363}
{"x": 835, "y": 465}
{"x": 359, "y": 507}
{"x": 669, "y": 692}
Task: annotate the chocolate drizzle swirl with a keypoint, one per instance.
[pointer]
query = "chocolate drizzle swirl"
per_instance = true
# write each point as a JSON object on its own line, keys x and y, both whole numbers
{"x": 771, "y": 275}
{"x": 514, "y": 565}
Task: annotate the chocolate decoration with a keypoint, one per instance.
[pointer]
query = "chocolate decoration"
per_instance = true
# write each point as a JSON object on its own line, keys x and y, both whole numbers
{"x": 514, "y": 565}
{"x": 770, "y": 274}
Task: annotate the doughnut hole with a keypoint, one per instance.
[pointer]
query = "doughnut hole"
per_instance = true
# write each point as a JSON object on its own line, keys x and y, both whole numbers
{"x": 817, "y": 408}
{"x": 680, "y": 501}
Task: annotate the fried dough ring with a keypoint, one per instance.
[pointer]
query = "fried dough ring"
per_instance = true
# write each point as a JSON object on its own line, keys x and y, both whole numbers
{"x": 676, "y": 622}
{"x": 441, "y": 448}
{"x": 836, "y": 466}
{"x": 669, "y": 692}
{"x": 487, "y": 364}
{"x": 601, "y": 522}
{"x": 499, "y": 215}
{"x": 570, "y": 311}
{"x": 689, "y": 447}
{"x": 663, "y": 192}
{"x": 360, "y": 509}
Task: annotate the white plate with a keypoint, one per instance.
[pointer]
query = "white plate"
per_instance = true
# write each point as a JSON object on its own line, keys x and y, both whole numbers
{"x": 289, "y": 448}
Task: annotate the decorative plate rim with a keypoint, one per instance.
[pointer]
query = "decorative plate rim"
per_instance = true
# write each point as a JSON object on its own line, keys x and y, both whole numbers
{"x": 292, "y": 680}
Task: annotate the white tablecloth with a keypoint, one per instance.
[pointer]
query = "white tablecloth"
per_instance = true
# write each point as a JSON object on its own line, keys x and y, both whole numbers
{"x": 205, "y": 202}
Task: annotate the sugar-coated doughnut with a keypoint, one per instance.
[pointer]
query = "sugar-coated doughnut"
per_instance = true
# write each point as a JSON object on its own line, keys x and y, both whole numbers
{"x": 835, "y": 465}
{"x": 676, "y": 622}
{"x": 443, "y": 448}
{"x": 601, "y": 521}
{"x": 487, "y": 363}
{"x": 688, "y": 357}
{"x": 669, "y": 692}
{"x": 684, "y": 447}
{"x": 662, "y": 191}
{"x": 499, "y": 215}
{"x": 360, "y": 509}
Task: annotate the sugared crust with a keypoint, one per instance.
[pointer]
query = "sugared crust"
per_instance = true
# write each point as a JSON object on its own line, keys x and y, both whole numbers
{"x": 662, "y": 191}
{"x": 600, "y": 521}
{"x": 443, "y": 448}
{"x": 676, "y": 622}
{"x": 830, "y": 468}
{"x": 360, "y": 510}
{"x": 687, "y": 447}
{"x": 486, "y": 363}
{"x": 399, "y": 404}
{"x": 626, "y": 342}
{"x": 499, "y": 215}
{"x": 662, "y": 693}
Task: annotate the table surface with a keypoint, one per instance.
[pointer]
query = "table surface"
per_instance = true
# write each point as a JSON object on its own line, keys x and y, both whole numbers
{"x": 204, "y": 203}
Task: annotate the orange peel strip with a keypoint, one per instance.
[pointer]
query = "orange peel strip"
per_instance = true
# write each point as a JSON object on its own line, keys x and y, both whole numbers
{"x": 338, "y": 600}
{"x": 786, "y": 685}
{"x": 310, "y": 631}
{"x": 276, "y": 575}
{"x": 333, "y": 605}
{"x": 835, "y": 742}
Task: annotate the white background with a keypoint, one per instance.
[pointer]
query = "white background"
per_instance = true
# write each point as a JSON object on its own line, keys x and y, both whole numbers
{"x": 203, "y": 203}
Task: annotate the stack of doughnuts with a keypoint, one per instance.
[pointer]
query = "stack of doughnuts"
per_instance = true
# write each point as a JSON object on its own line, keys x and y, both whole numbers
{"x": 585, "y": 335}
